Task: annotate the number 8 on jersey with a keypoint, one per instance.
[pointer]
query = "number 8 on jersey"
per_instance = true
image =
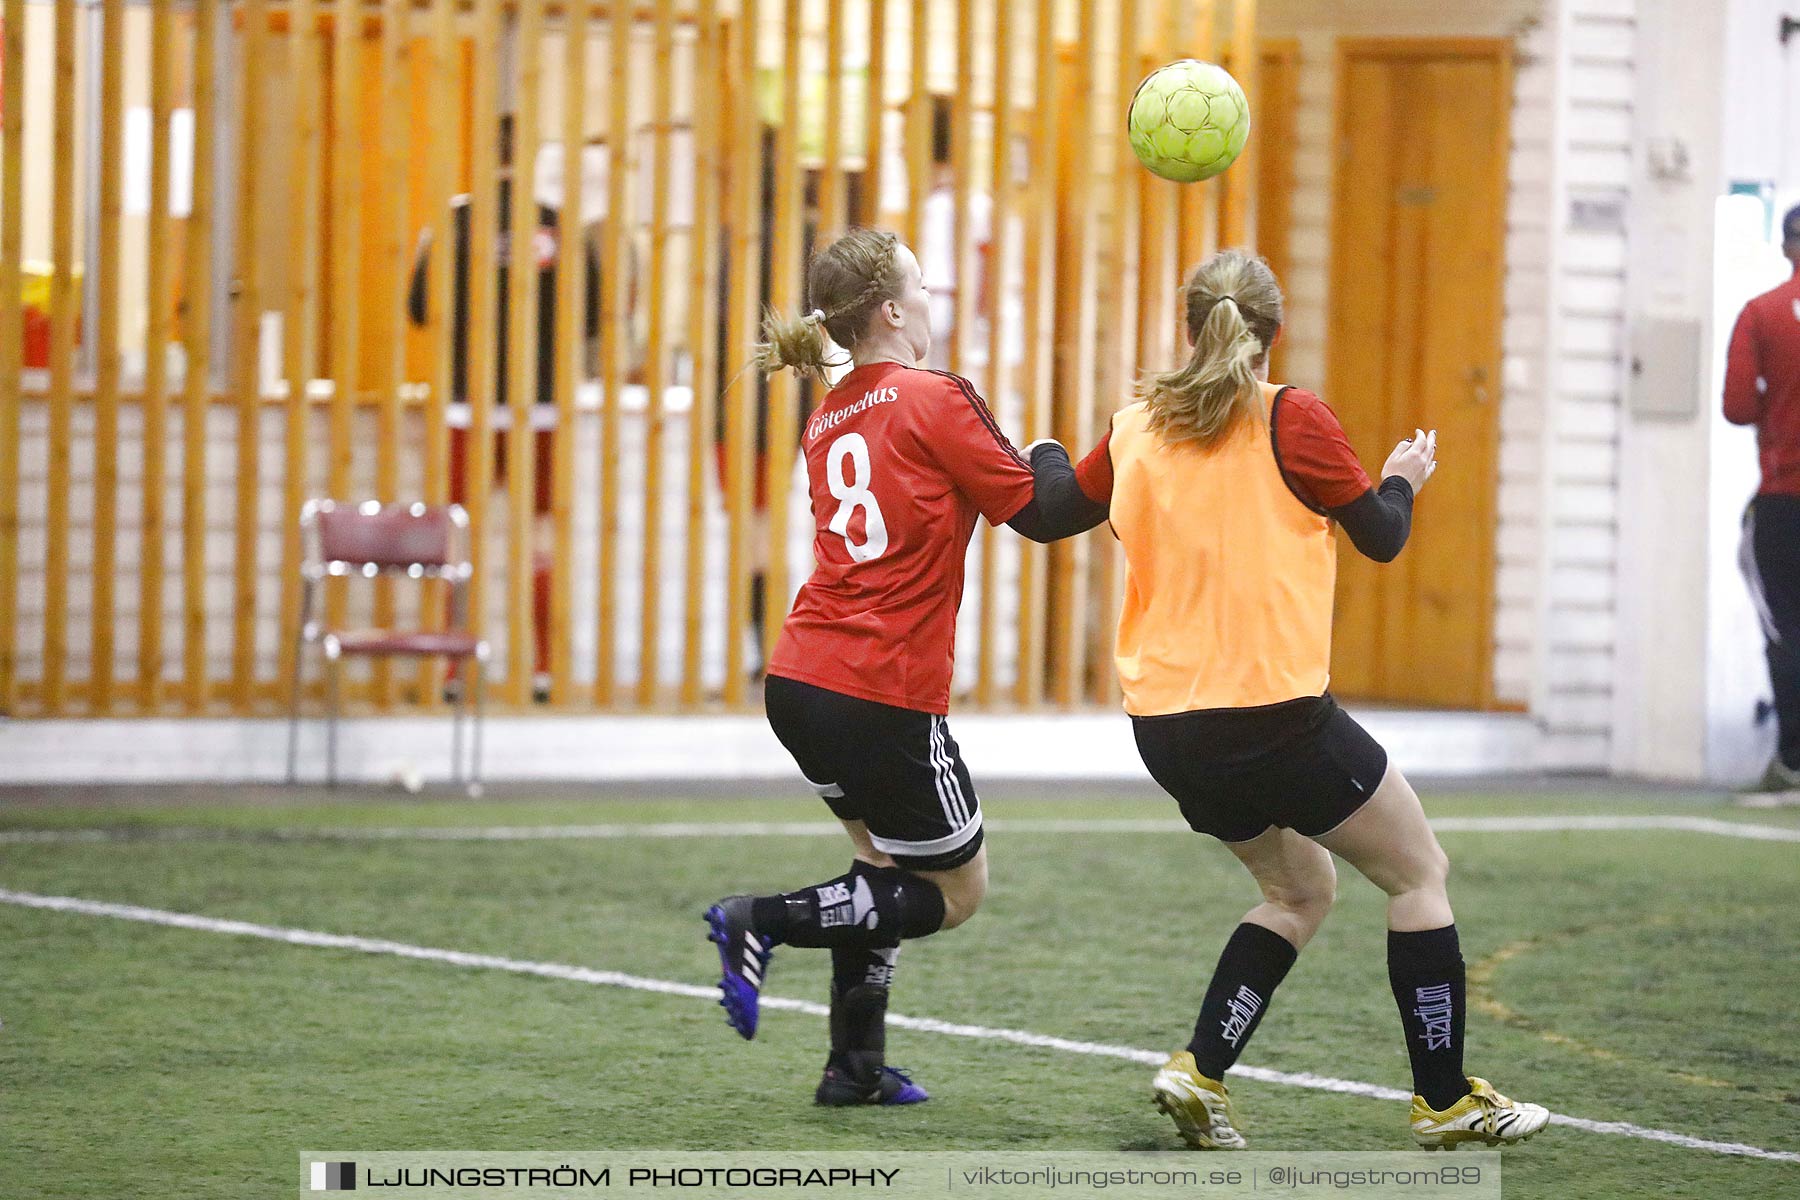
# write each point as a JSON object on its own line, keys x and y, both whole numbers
{"x": 854, "y": 493}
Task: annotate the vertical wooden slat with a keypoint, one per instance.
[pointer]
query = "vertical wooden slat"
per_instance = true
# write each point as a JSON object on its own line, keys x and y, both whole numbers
{"x": 1277, "y": 74}
{"x": 656, "y": 353}
{"x": 345, "y": 321}
{"x": 784, "y": 297}
{"x": 156, "y": 359}
{"x": 247, "y": 316}
{"x": 1070, "y": 560}
{"x": 62, "y": 358}
{"x": 442, "y": 176}
{"x": 1128, "y": 184}
{"x": 106, "y": 351}
{"x": 1158, "y": 263}
{"x": 831, "y": 173}
{"x": 999, "y": 285}
{"x": 12, "y": 191}
{"x": 521, "y": 358}
{"x": 918, "y": 126}
{"x": 703, "y": 285}
{"x": 1198, "y": 201}
{"x": 298, "y": 361}
{"x": 197, "y": 341}
{"x": 391, "y": 322}
{"x": 1122, "y": 364}
{"x": 571, "y": 328}
{"x": 613, "y": 332}
{"x": 1237, "y": 205}
{"x": 874, "y": 114}
{"x": 962, "y": 341}
{"x": 962, "y": 125}
{"x": 1039, "y": 285}
{"x": 740, "y": 398}
{"x": 484, "y": 220}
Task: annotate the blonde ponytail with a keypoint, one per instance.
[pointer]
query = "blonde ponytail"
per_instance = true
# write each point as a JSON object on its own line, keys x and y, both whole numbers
{"x": 794, "y": 342}
{"x": 1233, "y": 312}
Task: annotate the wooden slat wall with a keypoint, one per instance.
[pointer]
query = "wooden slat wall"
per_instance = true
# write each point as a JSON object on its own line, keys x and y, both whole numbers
{"x": 522, "y": 357}
{"x": 298, "y": 350}
{"x": 197, "y": 343}
{"x": 656, "y": 354}
{"x": 703, "y": 351}
{"x": 999, "y": 181}
{"x": 831, "y": 174}
{"x": 441, "y": 173}
{"x": 1040, "y": 321}
{"x": 739, "y": 395}
{"x": 62, "y": 360}
{"x": 613, "y": 318}
{"x": 390, "y": 323}
{"x": 918, "y": 123}
{"x": 483, "y": 303}
{"x": 344, "y": 313}
{"x": 571, "y": 271}
{"x": 12, "y": 191}
{"x": 875, "y": 109}
{"x": 784, "y": 298}
{"x": 1237, "y": 205}
{"x": 156, "y": 373}
{"x": 1121, "y": 365}
{"x": 1102, "y": 247}
{"x": 106, "y": 349}
{"x": 246, "y": 316}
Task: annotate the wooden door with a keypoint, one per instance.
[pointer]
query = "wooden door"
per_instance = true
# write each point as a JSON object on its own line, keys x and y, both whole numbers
{"x": 1416, "y": 276}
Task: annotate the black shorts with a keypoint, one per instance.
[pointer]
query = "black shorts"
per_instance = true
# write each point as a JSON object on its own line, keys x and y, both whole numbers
{"x": 1303, "y": 764}
{"x": 896, "y": 770}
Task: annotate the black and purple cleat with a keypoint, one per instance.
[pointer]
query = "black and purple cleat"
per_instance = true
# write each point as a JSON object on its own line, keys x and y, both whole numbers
{"x": 743, "y": 960}
{"x": 850, "y": 1082}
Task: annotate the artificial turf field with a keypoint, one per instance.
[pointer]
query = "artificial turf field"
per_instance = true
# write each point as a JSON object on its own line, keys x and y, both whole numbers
{"x": 1645, "y": 976}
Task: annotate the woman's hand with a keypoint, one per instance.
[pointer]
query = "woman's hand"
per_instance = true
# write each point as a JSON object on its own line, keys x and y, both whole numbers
{"x": 1414, "y": 459}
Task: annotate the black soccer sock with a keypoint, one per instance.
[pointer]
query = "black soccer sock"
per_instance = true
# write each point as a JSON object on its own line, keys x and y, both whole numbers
{"x": 1252, "y": 965}
{"x": 860, "y": 982}
{"x": 1425, "y": 970}
{"x": 867, "y": 907}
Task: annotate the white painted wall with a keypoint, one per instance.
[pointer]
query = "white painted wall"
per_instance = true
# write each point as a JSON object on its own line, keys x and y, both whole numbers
{"x": 1717, "y": 83}
{"x": 1660, "y": 696}
{"x": 1762, "y": 101}
{"x": 1746, "y": 264}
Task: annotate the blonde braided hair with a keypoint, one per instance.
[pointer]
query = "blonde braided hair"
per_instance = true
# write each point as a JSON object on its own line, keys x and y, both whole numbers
{"x": 846, "y": 281}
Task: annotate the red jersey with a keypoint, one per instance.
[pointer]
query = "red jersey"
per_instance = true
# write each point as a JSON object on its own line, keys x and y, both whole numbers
{"x": 901, "y": 463}
{"x": 1762, "y": 383}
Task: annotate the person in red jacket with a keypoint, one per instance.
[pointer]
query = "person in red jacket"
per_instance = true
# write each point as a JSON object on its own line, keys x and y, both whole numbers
{"x": 1762, "y": 388}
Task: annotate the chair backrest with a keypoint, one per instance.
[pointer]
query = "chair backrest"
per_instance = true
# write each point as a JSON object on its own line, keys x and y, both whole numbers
{"x": 371, "y": 537}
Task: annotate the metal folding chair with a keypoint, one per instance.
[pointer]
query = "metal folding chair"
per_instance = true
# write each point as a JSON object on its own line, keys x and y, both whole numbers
{"x": 416, "y": 540}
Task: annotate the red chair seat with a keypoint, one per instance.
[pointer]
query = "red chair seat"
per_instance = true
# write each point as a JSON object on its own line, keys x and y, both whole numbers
{"x": 416, "y": 644}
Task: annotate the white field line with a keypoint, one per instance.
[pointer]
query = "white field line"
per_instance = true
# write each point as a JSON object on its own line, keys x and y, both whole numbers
{"x": 742, "y": 829}
{"x": 1015, "y": 1037}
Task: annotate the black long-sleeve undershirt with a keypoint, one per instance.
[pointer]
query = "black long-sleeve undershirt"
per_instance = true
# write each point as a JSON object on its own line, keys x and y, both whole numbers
{"x": 1058, "y": 508}
{"x": 1378, "y": 521}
